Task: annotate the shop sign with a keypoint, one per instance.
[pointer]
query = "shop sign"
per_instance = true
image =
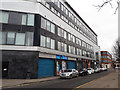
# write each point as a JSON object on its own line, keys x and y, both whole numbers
{"x": 61, "y": 57}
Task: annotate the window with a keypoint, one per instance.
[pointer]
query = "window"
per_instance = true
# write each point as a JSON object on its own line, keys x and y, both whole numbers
{"x": 29, "y": 39}
{"x": 52, "y": 9}
{"x": 30, "y": 21}
{"x": 43, "y": 40}
{"x": 58, "y": 14}
{"x": 48, "y": 25}
{"x": 2, "y": 37}
{"x": 62, "y": 7}
{"x": 43, "y": 23}
{"x": 20, "y": 39}
{"x": 48, "y": 42}
{"x": 4, "y": 17}
{"x": 62, "y": 47}
{"x": 59, "y": 46}
{"x": 47, "y": 5}
{"x": 59, "y": 32}
{"x": 52, "y": 44}
{"x": 65, "y": 47}
{"x": 10, "y": 37}
{"x": 24, "y": 19}
{"x": 52, "y": 28}
{"x": 65, "y": 34}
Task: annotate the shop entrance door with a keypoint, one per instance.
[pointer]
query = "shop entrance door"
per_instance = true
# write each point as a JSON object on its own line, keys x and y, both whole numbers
{"x": 5, "y": 69}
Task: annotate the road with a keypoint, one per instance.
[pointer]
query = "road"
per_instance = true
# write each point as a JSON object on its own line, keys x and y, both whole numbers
{"x": 65, "y": 83}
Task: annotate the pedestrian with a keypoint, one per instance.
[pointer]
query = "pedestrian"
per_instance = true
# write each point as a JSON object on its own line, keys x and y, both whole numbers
{"x": 114, "y": 67}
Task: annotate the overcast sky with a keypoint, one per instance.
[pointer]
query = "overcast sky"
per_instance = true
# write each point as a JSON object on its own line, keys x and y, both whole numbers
{"x": 104, "y": 22}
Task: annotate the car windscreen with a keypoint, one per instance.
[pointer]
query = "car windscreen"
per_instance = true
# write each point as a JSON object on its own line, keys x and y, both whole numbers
{"x": 68, "y": 71}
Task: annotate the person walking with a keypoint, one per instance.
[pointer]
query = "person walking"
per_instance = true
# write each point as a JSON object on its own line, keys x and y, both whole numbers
{"x": 114, "y": 67}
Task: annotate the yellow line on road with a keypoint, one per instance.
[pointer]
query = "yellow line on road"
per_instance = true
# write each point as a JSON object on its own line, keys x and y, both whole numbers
{"x": 87, "y": 83}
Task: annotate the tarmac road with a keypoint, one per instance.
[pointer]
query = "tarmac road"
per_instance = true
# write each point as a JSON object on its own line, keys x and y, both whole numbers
{"x": 64, "y": 83}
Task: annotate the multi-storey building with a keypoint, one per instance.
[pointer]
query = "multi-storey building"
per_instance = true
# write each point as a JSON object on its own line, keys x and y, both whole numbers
{"x": 106, "y": 59}
{"x": 39, "y": 38}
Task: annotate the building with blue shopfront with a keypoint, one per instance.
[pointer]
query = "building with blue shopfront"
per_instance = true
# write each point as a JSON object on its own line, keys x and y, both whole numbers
{"x": 41, "y": 38}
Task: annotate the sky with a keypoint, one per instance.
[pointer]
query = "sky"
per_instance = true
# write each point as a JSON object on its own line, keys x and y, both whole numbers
{"x": 104, "y": 22}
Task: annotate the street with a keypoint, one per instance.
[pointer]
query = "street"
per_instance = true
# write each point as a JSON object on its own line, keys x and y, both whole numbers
{"x": 65, "y": 83}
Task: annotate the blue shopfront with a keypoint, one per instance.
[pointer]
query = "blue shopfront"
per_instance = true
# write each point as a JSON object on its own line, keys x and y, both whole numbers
{"x": 51, "y": 67}
{"x": 46, "y": 67}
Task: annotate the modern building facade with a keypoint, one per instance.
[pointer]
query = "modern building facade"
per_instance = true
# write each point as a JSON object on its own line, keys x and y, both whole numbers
{"x": 39, "y": 38}
{"x": 106, "y": 59}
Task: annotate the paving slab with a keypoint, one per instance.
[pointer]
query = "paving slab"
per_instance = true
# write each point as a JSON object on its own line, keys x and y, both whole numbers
{"x": 14, "y": 82}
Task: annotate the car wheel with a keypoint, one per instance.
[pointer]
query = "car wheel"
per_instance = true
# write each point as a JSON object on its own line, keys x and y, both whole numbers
{"x": 70, "y": 76}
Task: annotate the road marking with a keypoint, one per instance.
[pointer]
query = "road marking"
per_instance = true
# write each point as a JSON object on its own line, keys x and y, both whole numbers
{"x": 87, "y": 83}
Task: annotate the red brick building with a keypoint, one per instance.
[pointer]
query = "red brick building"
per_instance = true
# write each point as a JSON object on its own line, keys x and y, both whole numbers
{"x": 106, "y": 59}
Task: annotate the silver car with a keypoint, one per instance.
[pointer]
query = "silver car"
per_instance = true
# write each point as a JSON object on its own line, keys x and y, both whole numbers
{"x": 69, "y": 73}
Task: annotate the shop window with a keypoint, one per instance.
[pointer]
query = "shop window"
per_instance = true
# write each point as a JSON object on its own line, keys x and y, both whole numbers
{"x": 43, "y": 23}
{"x": 10, "y": 37}
{"x": 48, "y": 25}
{"x": 48, "y": 42}
{"x": 52, "y": 44}
{"x": 30, "y": 21}
{"x": 24, "y": 19}
{"x": 20, "y": 39}
{"x": 29, "y": 39}
{"x": 4, "y": 17}
{"x": 43, "y": 41}
{"x": 52, "y": 28}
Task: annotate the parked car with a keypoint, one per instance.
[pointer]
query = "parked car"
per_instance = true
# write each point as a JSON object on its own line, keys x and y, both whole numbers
{"x": 100, "y": 69}
{"x": 104, "y": 69}
{"x": 83, "y": 72}
{"x": 69, "y": 73}
{"x": 96, "y": 70}
{"x": 90, "y": 70}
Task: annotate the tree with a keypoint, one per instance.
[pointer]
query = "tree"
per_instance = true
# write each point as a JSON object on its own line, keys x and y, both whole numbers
{"x": 116, "y": 50}
{"x": 108, "y": 2}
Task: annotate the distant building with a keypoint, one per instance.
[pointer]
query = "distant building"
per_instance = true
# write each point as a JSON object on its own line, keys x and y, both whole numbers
{"x": 106, "y": 59}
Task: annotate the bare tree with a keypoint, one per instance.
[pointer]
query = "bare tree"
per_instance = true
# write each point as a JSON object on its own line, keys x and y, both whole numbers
{"x": 116, "y": 50}
{"x": 108, "y": 2}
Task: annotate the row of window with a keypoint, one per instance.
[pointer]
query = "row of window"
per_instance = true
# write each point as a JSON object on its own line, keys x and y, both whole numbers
{"x": 91, "y": 36}
{"x": 106, "y": 57}
{"x": 15, "y": 38}
{"x": 50, "y": 43}
{"x": 27, "y": 19}
{"x": 62, "y": 46}
{"x": 106, "y": 61}
{"x": 47, "y": 42}
{"x": 47, "y": 25}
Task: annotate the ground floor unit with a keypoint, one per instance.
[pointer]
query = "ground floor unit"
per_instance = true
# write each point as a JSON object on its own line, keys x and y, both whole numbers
{"x": 32, "y": 64}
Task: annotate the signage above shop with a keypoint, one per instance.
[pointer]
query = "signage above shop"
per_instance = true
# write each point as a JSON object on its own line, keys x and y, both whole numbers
{"x": 61, "y": 57}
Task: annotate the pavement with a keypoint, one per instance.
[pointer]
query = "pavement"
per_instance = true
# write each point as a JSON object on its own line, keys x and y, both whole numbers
{"x": 108, "y": 81}
{"x": 6, "y": 83}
